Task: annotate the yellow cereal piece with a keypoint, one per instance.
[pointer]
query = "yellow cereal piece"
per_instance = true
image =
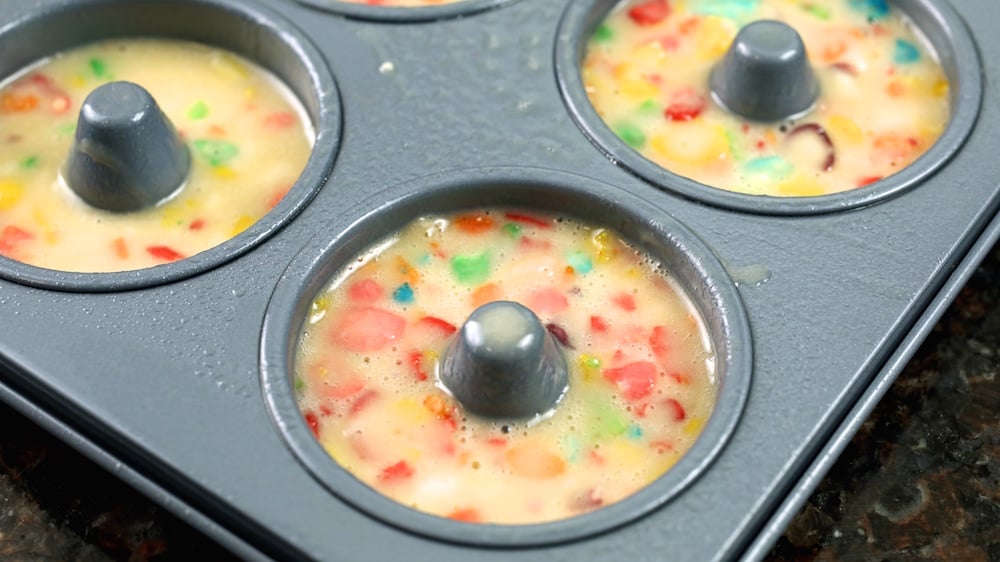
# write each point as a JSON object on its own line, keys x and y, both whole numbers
{"x": 49, "y": 233}
{"x": 173, "y": 214}
{"x": 694, "y": 426}
{"x": 228, "y": 66}
{"x": 224, "y": 173}
{"x": 940, "y": 88}
{"x": 930, "y": 131}
{"x": 340, "y": 454}
{"x": 638, "y": 90}
{"x": 241, "y": 224}
{"x": 698, "y": 145}
{"x": 590, "y": 367}
{"x": 11, "y": 192}
{"x": 319, "y": 308}
{"x": 844, "y": 130}
{"x": 605, "y": 250}
{"x": 713, "y": 36}
{"x": 410, "y": 411}
{"x": 648, "y": 55}
{"x": 626, "y": 453}
{"x": 801, "y": 186}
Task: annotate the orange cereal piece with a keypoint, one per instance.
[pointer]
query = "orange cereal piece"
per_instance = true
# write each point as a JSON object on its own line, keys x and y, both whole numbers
{"x": 14, "y": 103}
{"x": 120, "y": 248}
{"x": 486, "y": 293}
{"x": 531, "y": 461}
{"x": 467, "y": 514}
{"x": 477, "y": 223}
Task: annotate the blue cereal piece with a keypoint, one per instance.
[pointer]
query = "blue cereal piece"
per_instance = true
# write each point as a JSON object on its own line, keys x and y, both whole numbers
{"x": 580, "y": 262}
{"x": 736, "y": 10}
{"x": 905, "y": 52}
{"x": 771, "y": 167}
{"x": 403, "y": 294}
{"x": 873, "y": 9}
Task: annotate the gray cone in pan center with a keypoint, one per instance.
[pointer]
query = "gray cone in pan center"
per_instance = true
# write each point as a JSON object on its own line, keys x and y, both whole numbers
{"x": 504, "y": 364}
{"x": 765, "y": 75}
{"x": 126, "y": 155}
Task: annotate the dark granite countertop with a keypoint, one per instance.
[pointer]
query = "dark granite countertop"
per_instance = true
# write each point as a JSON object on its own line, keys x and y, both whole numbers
{"x": 920, "y": 480}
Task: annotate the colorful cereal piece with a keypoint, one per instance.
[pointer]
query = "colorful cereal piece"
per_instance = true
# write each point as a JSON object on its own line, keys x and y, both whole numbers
{"x": 368, "y": 329}
{"x": 471, "y": 269}
{"x": 634, "y": 380}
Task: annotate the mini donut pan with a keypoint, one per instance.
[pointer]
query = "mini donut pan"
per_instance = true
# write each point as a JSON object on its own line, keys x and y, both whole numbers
{"x": 176, "y": 378}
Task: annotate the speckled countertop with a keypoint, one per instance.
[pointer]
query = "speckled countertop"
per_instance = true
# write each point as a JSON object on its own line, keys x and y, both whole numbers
{"x": 920, "y": 481}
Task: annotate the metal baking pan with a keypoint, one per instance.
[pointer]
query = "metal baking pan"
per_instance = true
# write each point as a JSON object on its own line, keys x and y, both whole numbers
{"x": 175, "y": 377}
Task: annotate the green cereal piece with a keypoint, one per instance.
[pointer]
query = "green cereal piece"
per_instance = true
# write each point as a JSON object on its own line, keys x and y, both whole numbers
{"x": 471, "y": 269}
{"x": 30, "y": 163}
{"x": 649, "y": 106}
{"x": 216, "y": 152}
{"x": 98, "y": 67}
{"x": 603, "y": 33}
{"x": 820, "y": 12}
{"x": 198, "y": 110}
{"x": 512, "y": 230}
{"x": 632, "y": 135}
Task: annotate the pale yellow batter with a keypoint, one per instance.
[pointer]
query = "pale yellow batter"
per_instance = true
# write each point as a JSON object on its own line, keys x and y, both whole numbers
{"x": 642, "y": 379}
{"x": 883, "y": 95}
{"x": 249, "y": 141}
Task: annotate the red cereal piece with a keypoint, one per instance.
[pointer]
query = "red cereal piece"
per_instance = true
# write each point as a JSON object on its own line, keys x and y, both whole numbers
{"x": 361, "y": 401}
{"x": 670, "y": 43}
{"x": 368, "y": 329}
{"x": 436, "y": 324}
{"x": 598, "y": 324}
{"x": 820, "y": 132}
{"x": 675, "y": 411}
{"x": 591, "y": 499}
{"x": 277, "y": 196}
{"x": 396, "y": 472}
{"x": 11, "y": 238}
{"x": 548, "y": 301}
{"x": 625, "y": 301}
{"x": 527, "y": 219}
{"x": 312, "y": 420}
{"x": 661, "y": 446}
{"x": 529, "y": 243}
{"x": 680, "y": 378}
{"x": 280, "y": 120}
{"x": 165, "y": 253}
{"x": 365, "y": 290}
{"x": 650, "y": 12}
{"x": 634, "y": 380}
{"x": 559, "y": 334}
{"x": 685, "y": 105}
{"x": 868, "y": 180}
{"x": 197, "y": 224}
{"x": 659, "y": 341}
{"x": 415, "y": 360}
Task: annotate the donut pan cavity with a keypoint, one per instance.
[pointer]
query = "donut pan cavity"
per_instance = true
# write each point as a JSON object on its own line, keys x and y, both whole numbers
{"x": 175, "y": 377}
